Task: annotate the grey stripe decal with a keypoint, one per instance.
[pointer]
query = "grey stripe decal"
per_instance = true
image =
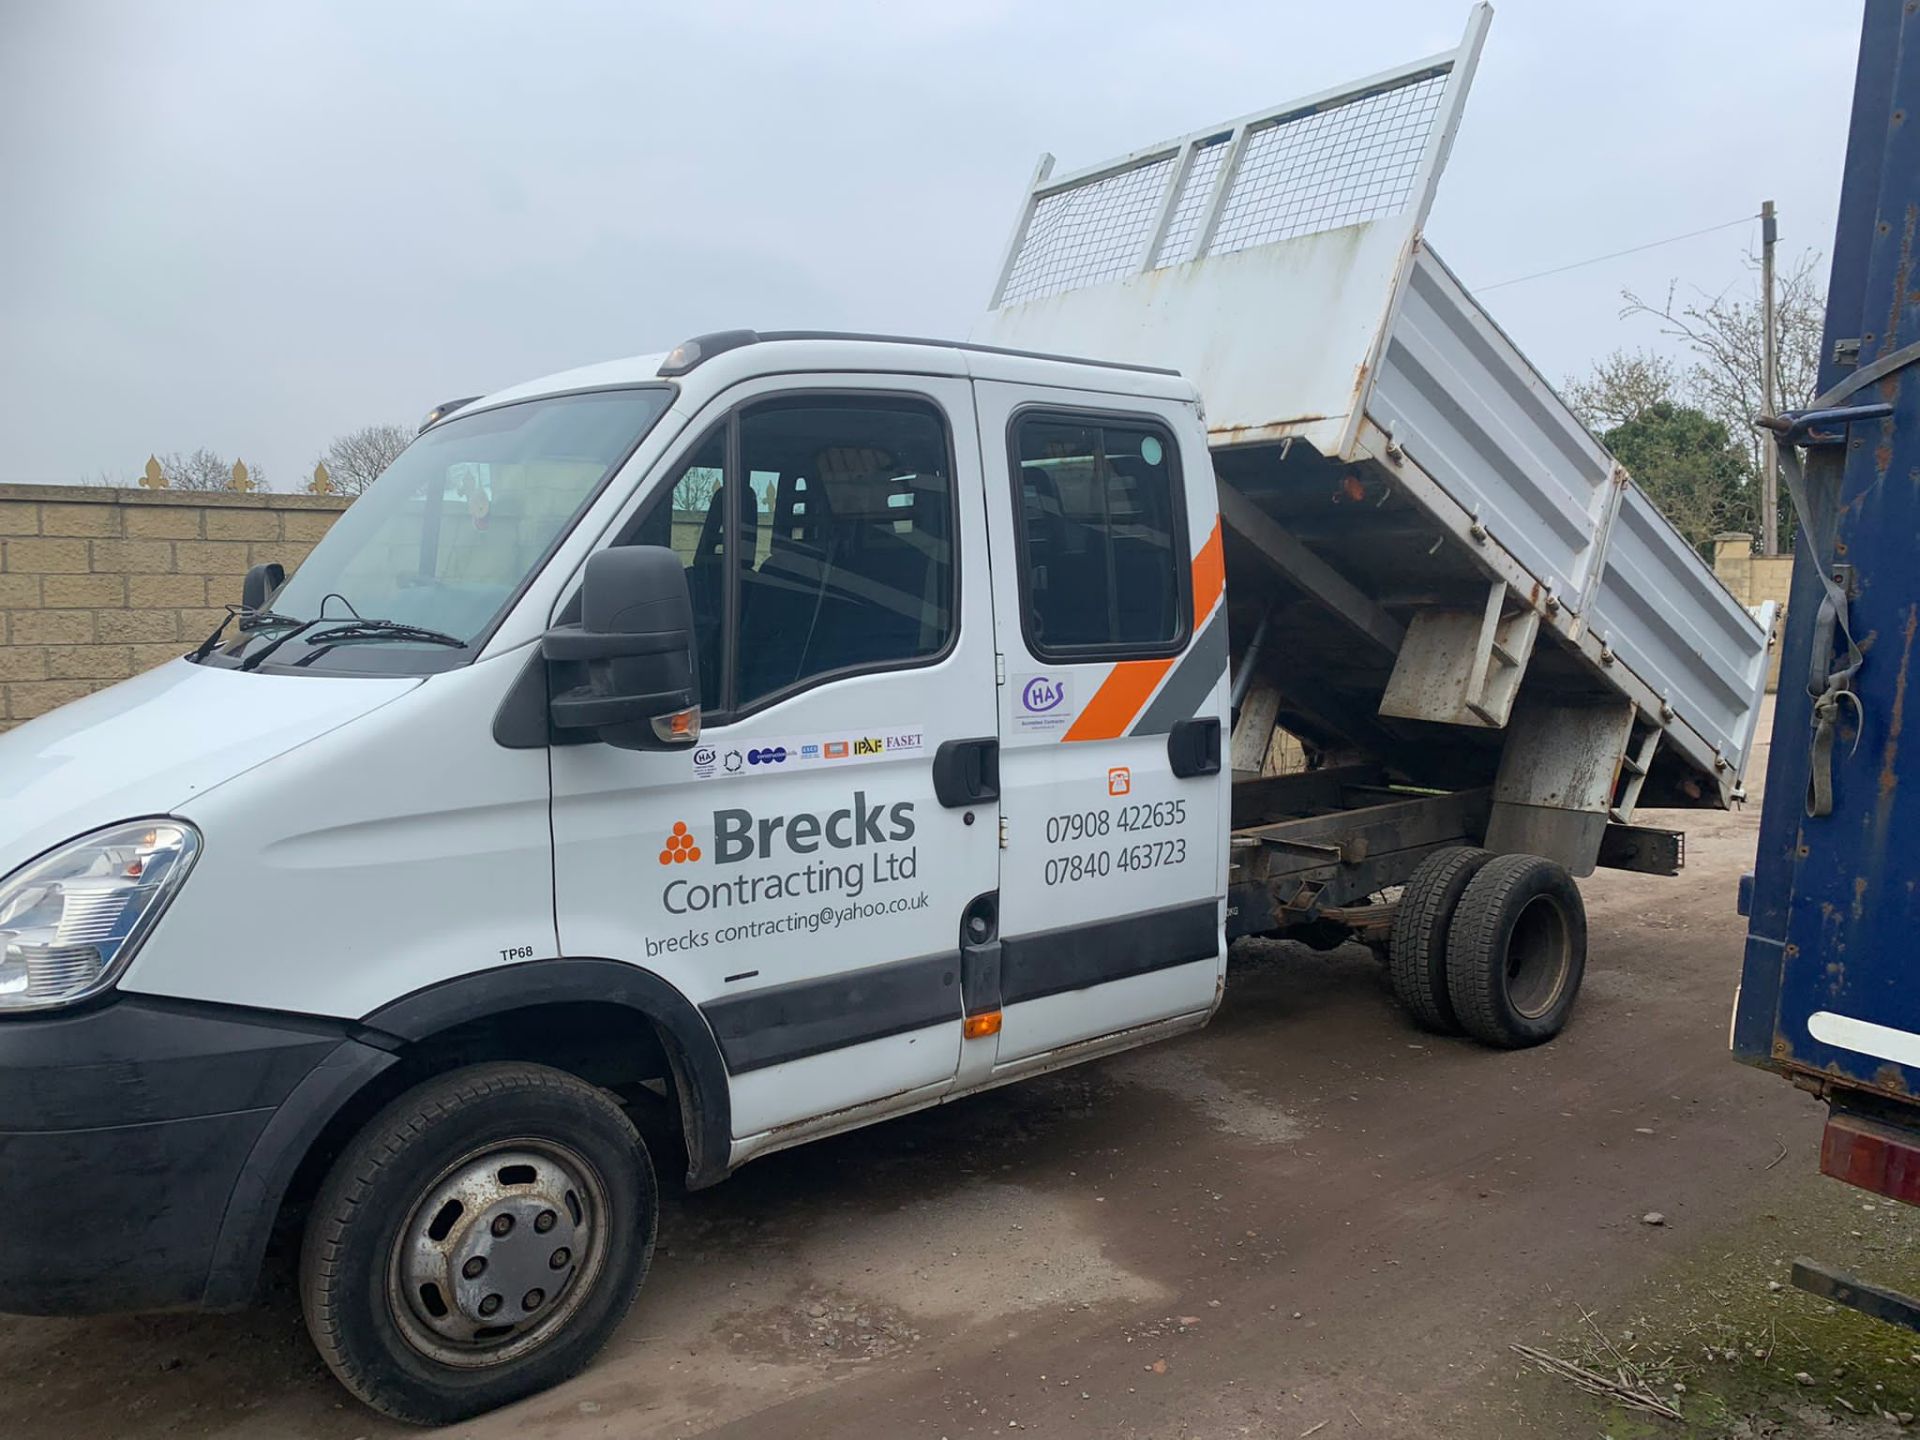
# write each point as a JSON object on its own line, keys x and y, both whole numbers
{"x": 1191, "y": 682}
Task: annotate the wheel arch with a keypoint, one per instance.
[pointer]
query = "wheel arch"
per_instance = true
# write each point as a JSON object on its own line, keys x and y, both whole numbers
{"x": 506, "y": 1013}
{"x": 610, "y": 987}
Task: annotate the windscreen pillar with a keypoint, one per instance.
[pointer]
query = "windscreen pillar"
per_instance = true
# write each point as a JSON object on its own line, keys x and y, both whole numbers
{"x": 1556, "y": 781}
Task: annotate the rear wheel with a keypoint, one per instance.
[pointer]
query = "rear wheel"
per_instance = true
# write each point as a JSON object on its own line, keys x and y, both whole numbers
{"x": 1417, "y": 953}
{"x": 478, "y": 1242}
{"x": 1516, "y": 951}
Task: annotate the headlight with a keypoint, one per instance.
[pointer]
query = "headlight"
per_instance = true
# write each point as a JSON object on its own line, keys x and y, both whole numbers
{"x": 71, "y": 921}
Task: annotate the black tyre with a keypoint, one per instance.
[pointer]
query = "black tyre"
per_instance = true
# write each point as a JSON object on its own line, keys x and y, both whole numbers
{"x": 1417, "y": 953}
{"x": 1516, "y": 951}
{"x": 478, "y": 1242}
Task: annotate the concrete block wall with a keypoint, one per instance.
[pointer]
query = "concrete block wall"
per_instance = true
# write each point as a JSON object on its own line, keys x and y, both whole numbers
{"x": 1755, "y": 579}
{"x": 97, "y": 585}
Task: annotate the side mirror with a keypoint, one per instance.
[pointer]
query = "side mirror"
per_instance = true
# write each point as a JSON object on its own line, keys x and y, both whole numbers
{"x": 628, "y": 673}
{"x": 261, "y": 584}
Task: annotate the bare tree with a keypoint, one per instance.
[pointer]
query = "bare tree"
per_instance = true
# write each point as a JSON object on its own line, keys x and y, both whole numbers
{"x": 1623, "y": 388}
{"x": 1726, "y": 336}
{"x": 358, "y": 458}
{"x": 205, "y": 469}
{"x": 695, "y": 489}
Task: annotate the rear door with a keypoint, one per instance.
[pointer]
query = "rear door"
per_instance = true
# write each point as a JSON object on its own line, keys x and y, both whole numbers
{"x": 1110, "y": 617}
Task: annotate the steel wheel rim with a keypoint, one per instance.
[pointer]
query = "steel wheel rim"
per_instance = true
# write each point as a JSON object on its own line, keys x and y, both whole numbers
{"x": 1539, "y": 957}
{"x": 499, "y": 1252}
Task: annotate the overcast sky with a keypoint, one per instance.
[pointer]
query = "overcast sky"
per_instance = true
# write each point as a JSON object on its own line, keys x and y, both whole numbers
{"x": 253, "y": 226}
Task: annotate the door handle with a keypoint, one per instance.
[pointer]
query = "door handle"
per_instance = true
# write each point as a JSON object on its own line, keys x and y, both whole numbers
{"x": 967, "y": 772}
{"x": 1193, "y": 747}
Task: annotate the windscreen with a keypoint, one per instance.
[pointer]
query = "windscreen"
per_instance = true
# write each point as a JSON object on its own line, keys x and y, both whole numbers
{"x": 446, "y": 537}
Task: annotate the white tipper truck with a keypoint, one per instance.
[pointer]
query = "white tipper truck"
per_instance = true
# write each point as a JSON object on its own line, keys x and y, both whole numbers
{"x": 810, "y": 728}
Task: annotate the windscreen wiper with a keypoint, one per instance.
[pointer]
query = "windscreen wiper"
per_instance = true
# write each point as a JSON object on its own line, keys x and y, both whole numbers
{"x": 249, "y": 620}
{"x": 300, "y": 627}
{"x": 370, "y": 629}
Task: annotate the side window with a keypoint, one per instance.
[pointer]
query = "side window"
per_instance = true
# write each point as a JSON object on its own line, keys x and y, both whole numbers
{"x": 1103, "y": 569}
{"x": 689, "y": 518}
{"x": 841, "y": 513}
{"x": 846, "y": 543}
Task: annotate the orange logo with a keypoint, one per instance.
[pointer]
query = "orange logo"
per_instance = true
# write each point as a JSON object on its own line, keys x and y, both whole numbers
{"x": 680, "y": 846}
{"x": 1119, "y": 780}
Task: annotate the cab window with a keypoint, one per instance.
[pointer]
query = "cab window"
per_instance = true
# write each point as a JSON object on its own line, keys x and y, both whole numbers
{"x": 837, "y": 513}
{"x": 1102, "y": 541}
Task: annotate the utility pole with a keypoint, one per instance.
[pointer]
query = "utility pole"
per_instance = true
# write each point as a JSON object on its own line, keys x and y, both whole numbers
{"x": 1769, "y": 455}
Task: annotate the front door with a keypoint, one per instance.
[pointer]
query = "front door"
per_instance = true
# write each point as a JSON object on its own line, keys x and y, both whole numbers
{"x": 795, "y": 875}
{"x": 1113, "y": 626}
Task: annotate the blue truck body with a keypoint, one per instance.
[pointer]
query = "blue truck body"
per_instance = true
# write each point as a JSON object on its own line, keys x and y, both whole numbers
{"x": 1830, "y": 986}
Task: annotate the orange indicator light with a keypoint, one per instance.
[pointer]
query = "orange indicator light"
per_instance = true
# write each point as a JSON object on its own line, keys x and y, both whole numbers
{"x": 979, "y": 1027}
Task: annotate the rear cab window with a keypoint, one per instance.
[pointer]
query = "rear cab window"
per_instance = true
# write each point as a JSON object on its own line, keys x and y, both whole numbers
{"x": 1102, "y": 536}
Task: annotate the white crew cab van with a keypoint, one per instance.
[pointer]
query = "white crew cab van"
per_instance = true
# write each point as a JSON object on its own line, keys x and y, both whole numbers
{"x": 818, "y": 727}
{"x": 810, "y": 728}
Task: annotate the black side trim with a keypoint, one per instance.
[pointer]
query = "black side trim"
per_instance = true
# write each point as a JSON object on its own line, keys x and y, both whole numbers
{"x": 1051, "y": 962}
{"x": 697, "y": 1066}
{"x": 809, "y": 1017}
{"x": 980, "y": 954}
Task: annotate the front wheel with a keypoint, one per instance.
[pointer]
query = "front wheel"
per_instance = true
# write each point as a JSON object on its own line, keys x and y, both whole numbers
{"x": 478, "y": 1242}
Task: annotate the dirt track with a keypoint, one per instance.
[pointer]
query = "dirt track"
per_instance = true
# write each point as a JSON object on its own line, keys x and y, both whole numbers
{"x": 1308, "y": 1215}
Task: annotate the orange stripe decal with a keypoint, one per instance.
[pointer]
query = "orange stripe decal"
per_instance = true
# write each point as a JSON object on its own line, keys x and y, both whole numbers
{"x": 1124, "y": 692}
{"x": 1209, "y": 576}
{"x": 1118, "y": 700}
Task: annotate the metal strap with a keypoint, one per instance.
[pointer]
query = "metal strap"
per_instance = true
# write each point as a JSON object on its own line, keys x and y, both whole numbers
{"x": 1860, "y": 379}
{"x": 1831, "y": 686}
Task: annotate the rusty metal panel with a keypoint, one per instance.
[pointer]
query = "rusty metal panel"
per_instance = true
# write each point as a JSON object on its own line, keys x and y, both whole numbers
{"x": 1830, "y": 991}
{"x": 1462, "y": 666}
{"x": 1557, "y": 775}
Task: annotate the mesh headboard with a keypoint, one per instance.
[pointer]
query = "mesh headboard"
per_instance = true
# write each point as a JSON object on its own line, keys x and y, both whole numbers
{"x": 1209, "y": 251}
{"x": 1272, "y": 177}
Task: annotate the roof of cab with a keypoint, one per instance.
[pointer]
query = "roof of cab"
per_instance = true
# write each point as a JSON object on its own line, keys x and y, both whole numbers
{"x": 731, "y": 355}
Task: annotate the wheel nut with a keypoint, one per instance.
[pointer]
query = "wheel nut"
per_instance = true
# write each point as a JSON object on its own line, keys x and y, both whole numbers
{"x": 502, "y": 1224}
{"x": 534, "y": 1299}
{"x": 490, "y": 1305}
{"x": 558, "y": 1260}
{"x": 474, "y": 1268}
{"x": 544, "y": 1221}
